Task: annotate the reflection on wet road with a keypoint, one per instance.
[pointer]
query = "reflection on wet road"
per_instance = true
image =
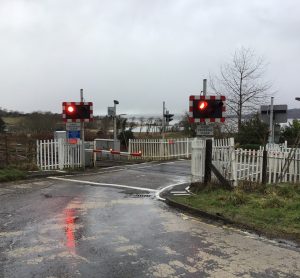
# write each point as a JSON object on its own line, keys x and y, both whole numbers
{"x": 55, "y": 228}
{"x": 70, "y": 229}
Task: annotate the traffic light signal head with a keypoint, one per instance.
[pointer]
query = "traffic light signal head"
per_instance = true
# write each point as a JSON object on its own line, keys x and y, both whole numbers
{"x": 169, "y": 117}
{"x": 77, "y": 111}
{"x": 207, "y": 109}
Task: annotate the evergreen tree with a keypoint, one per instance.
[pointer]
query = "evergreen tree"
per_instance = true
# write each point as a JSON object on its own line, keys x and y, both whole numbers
{"x": 253, "y": 131}
{"x": 2, "y": 125}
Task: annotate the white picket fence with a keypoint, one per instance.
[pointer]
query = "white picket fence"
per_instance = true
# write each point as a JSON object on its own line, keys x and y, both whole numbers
{"x": 58, "y": 154}
{"x": 249, "y": 164}
{"x": 241, "y": 164}
{"x": 276, "y": 147}
{"x": 161, "y": 149}
{"x": 223, "y": 158}
{"x": 233, "y": 164}
{"x": 282, "y": 166}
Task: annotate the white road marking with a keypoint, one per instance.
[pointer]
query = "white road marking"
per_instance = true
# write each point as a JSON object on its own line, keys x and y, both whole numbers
{"x": 157, "y": 194}
{"x": 181, "y": 194}
{"x": 105, "y": 184}
{"x": 155, "y": 164}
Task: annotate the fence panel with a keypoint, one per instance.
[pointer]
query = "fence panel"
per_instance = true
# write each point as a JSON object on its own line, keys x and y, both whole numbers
{"x": 249, "y": 164}
{"x": 57, "y": 154}
{"x": 223, "y": 158}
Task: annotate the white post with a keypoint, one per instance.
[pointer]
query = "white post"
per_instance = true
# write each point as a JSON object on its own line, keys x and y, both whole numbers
{"x": 197, "y": 160}
{"x": 61, "y": 154}
{"x": 233, "y": 162}
{"x": 271, "y": 135}
{"x": 95, "y": 154}
{"x": 37, "y": 154}
{"x": 187, "y": 147}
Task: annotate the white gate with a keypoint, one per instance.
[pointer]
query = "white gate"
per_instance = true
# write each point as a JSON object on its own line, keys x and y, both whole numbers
{"x": 160, "y": 149}
{"x": 223, "y": 158}
{"x": 58, "y": 154}
{"x": 283, "y": 164}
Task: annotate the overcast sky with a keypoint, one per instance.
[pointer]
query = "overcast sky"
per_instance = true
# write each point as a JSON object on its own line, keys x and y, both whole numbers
{"x": 140, "y": 52}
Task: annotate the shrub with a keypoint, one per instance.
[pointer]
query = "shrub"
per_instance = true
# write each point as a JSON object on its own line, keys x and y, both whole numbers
{"x": 10, "y": 174}
{"x": 250, "y": 146}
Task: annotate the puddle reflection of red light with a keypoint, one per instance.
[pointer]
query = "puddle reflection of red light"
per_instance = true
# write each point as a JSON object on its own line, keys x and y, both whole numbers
{"x": 70, "y": 229}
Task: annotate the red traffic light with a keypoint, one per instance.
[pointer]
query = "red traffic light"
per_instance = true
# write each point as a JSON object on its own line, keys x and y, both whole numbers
{"x": 77, "y": 111}
{"x": 206, "y": 109}
{"x": 202, "y": 105}
{"x": 70, "y": 109}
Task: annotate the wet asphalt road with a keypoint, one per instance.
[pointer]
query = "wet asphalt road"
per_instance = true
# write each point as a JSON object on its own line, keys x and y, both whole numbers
{"x": 87, "y": 226}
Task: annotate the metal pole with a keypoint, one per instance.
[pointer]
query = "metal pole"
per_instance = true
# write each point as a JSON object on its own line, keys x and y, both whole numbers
{"x": 115, "y": 125}
{"x": 163, "y": 121}
{"x": 82, "y": 135}
{"x": 271, "y": 138}
{"x": 208, "y": 161}
{"x": 204, "y": 86}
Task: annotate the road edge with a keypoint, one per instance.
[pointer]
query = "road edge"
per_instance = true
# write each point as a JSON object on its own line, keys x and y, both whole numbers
{"x": 243, "y": 227}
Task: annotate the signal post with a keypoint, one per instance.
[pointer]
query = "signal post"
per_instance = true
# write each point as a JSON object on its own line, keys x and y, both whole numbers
{"x": 205, "y": 109}
{"x": 77, "y": 113}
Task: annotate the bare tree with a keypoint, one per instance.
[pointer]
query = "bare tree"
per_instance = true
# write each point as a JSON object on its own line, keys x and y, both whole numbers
{"x": 241, "y": 81}
{"x": 141, "y": 123}
{"x": 149, "y": 123}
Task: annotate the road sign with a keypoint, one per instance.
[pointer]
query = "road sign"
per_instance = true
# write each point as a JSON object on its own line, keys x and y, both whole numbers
{"x": 279, "y": 113}
{"x": 73, "y": 141}
{"x": 204, "y": 130}
{"x": 111, "y": 111}
{"x": 73, "y": 134}
{"x": 72, "y": 126}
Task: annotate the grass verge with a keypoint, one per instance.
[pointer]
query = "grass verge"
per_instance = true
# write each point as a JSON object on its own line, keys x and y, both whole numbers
{"x": 11, "y": 174}
{"x": 273, "y": 210}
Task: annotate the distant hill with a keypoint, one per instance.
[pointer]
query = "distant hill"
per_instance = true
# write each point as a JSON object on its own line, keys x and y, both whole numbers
{"x": 293, "y": 113}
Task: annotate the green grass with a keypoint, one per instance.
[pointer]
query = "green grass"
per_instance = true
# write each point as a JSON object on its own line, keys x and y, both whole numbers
{"x": 272, "y": 210}
{"x": 11, "y": 174}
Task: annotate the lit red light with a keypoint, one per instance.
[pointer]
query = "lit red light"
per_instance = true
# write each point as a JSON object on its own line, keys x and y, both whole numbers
{"x": 203, "y": 105}
{"x": 70, "y": 109}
